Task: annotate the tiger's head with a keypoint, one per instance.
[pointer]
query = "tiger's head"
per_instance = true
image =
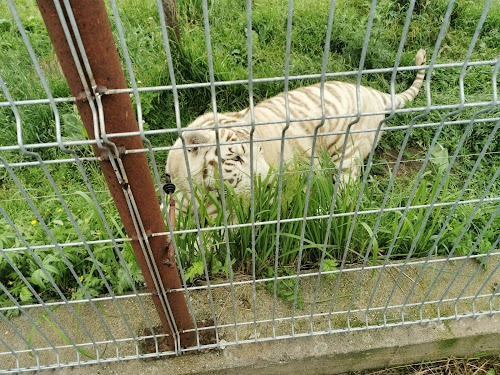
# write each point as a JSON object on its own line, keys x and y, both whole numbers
{"x": 204, "y": 157}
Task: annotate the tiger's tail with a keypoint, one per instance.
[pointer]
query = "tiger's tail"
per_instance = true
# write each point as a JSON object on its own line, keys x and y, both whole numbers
{"x": 412, "y": 92}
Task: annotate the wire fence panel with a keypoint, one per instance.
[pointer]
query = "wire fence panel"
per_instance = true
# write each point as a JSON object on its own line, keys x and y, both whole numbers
{"x": 311, "y": 196}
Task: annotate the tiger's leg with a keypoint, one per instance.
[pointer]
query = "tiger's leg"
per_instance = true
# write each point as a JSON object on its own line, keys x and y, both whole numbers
{"x": 348, "y": 174}
{"x": 350, "y": 170}
{"x": 358, "y": 147}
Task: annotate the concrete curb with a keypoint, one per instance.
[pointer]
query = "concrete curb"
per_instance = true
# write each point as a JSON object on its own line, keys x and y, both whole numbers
{"x": 328, "y": 354}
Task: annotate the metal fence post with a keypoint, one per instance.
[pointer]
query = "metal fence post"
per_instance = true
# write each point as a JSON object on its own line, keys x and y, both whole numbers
{"x": 106, "y": 72}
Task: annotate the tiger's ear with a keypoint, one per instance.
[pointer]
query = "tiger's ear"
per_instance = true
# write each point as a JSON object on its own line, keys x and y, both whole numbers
{"x": 197, "y": 137}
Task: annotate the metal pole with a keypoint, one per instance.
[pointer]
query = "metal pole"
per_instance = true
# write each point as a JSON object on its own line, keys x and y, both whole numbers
{"x": 95, "y": 32}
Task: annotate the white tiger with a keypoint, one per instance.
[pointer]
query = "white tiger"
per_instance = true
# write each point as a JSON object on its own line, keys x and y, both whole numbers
{"x": 305, "y": 102}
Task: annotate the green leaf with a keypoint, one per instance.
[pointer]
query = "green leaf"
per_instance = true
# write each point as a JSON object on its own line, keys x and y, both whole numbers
{"x": 72, "y": 127}
{"x": 25, "y": 294}
{"x": 196, "y": 270}
{"x": 330, "y": 265}
{"x": 375, "y": 248}
{"x": 440, "y": 157}
{"x": 39, "y": 278}
{"x": 51, "y": 269}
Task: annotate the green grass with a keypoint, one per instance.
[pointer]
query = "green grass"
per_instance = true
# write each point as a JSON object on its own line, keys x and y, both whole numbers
{"x": 417, "y": 234}
{"x": 418, "y": 230}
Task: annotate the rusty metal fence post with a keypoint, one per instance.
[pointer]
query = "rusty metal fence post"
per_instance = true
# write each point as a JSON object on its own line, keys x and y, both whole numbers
{"x": 91, "y": 65}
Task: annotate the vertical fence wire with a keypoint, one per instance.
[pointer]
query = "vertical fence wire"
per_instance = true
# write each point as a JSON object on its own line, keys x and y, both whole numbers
{"x": 281, "y": 164}
{"x": 208, "y": 44}
{"x": 166, "y": 43}
{"x": 326, "y": 51}
{"x": 252, "y": 174}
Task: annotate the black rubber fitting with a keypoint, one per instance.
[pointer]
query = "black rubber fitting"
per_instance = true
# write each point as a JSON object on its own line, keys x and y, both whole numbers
{"x": 169, "y": 187}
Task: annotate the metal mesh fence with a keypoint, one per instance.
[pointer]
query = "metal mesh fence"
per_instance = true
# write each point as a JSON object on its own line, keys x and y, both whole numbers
{"x": 412, "y": 239}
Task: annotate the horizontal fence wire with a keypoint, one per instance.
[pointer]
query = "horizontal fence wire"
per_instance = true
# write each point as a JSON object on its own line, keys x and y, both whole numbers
{"x": 255, "y": 80}
{"x": 243, "y": 124}
{"x": 413, "y": 238}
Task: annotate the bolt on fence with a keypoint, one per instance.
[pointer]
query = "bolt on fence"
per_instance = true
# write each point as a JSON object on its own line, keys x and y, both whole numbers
{"x": 85, "y": 270}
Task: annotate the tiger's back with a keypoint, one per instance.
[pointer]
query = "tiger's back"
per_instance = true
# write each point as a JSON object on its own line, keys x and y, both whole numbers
{"x": 340, "y": 100}
{"x": 304, "y": 103}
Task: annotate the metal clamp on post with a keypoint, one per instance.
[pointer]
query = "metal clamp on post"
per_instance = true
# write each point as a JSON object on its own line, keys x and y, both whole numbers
{"x": 169, "y": 188}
